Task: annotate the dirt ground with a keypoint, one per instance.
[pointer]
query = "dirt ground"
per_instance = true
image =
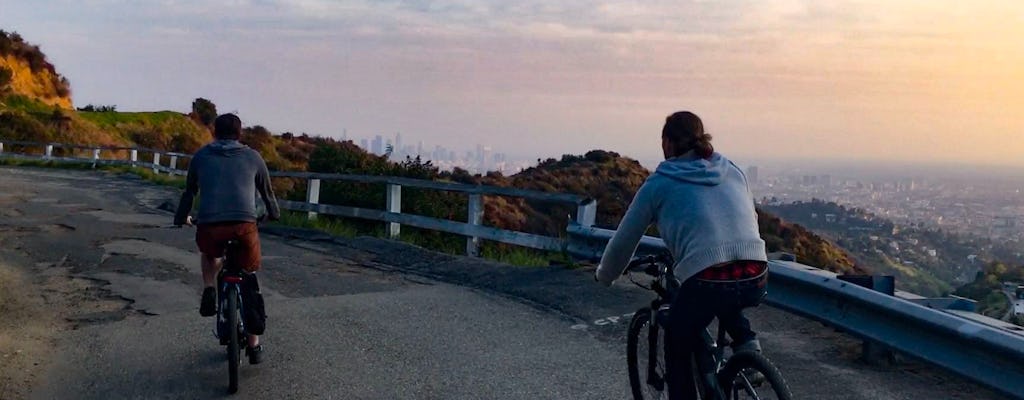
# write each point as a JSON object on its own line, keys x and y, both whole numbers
{"x": 37, "y": 304}
{"x": 27, "y": 332}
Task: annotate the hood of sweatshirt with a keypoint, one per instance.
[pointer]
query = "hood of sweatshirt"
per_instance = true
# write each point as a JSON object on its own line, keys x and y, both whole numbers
{"x": 227, "y": 148}
{"x": 690, "y": 168}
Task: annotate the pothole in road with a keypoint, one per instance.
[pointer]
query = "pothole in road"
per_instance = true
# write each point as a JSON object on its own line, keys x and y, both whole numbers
{"x": 56, "y": 228}
{"x": 149, "y": 250}
{"x": 47, "y": 228}
{"x": 147, "y": 220}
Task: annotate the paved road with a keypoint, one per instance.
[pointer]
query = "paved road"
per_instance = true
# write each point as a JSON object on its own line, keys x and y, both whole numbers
{"x": 356, "y": 318}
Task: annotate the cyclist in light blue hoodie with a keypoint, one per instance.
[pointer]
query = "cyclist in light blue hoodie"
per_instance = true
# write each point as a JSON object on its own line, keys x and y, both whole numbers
{"x": 705, "y": 213}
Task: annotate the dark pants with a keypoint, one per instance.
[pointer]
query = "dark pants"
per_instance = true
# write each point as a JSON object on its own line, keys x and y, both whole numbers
{"x": 695, "y": 304}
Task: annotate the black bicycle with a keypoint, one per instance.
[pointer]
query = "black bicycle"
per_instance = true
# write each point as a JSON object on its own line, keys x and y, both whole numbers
{"x": 742, "y": 375}
{"x": 232, "y": 284}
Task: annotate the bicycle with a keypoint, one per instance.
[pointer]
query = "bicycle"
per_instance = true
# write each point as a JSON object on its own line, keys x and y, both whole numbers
{"x": 717, "y": 377}
{"x": 230, "y": 328}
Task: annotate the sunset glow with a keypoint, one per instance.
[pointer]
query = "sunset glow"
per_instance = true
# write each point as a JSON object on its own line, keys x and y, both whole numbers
{"x": 908, "y": 80}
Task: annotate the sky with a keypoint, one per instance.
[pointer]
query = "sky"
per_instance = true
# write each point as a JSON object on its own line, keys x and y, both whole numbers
{"x": 909, "y": 80}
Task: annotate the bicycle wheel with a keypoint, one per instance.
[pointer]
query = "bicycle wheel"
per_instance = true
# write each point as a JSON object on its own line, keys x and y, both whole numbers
{"x": 232, "y": 325}
{"x": 739, "y": 379}
{"x": 646, "y": 382}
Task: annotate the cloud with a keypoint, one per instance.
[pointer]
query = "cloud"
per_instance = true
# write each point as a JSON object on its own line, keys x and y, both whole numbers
{"x": 810, "y": 66}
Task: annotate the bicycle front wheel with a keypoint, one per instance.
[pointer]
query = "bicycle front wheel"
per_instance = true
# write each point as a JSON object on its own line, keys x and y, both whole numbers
{"x": 231, "y": 317}
{"x": 749, "y": 375}
{"x": 645, "y": 357}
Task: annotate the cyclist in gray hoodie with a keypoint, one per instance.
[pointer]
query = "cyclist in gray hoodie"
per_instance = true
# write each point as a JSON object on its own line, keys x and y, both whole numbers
{"x": 705, "y": 213}
{"x": 228, "y": 175}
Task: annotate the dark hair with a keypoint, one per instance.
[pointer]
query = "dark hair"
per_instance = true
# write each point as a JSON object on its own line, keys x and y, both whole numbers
{"x": 227, "y": 126}
{"x": 686, "y": 132}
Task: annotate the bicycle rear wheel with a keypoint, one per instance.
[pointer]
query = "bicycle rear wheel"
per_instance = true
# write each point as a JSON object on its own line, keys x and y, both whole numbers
{"x": 645, "y": 381}
{"x": 231, "y": 317}
{"x": 739, "y": 381}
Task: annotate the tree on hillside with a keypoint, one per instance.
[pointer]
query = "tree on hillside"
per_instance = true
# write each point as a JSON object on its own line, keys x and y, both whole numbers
{"x": 204, "y": 110}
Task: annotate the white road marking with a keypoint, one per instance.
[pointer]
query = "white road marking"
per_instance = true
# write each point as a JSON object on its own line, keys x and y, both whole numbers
{"x": 612, "y": 320}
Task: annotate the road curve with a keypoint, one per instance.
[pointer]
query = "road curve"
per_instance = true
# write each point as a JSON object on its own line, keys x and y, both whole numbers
{"x": 359, "y": 318}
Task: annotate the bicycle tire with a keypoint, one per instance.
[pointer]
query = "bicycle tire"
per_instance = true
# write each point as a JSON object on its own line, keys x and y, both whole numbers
{"x": 639, "y": 327}
{"x": 233, "y": 345}
{"x": 754, "y": 361}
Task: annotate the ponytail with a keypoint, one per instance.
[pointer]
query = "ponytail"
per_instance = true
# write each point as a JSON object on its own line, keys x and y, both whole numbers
{"x": 686, "y": 131}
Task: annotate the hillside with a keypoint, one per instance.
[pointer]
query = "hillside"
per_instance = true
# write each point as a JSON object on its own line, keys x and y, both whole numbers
{"x": 923, "y": 260}
{"x": 988, "y": 286}
{"x": 35, "y": 105}
{"x": 613, "y": 180}
{"x": 25, "y": 70}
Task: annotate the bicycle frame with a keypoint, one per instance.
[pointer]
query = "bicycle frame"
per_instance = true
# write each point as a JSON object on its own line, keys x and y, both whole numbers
{"x": 708, "y": 359}
{"x": 229, "y": 276}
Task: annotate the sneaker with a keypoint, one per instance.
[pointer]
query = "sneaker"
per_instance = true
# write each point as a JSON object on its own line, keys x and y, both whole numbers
{"x": 208, "y": 306}
{"x": 255, "y": 354}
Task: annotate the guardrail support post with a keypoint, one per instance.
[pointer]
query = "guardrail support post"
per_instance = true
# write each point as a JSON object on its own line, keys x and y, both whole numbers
{"x": 475, "y": 217}
{"x": 49, "y": 151}
{"x": 95, "y": 157}
{"x": 394, "y": 200}
{"x": 874, "y": 352}
{"x": 586, "y": 213}
{"x": 156, "y": 163}
{"x": 313, "y": 195}
{"x": 134, "y": 156}
{"x": 174, "y": 164}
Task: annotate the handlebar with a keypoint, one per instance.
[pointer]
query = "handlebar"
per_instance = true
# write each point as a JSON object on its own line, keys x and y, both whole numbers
{"x": 653, "y": 265}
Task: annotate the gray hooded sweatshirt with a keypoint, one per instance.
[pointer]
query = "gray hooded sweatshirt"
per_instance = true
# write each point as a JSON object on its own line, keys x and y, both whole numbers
{"x": 704, "y": 211}
{"x": 228, "y": 174}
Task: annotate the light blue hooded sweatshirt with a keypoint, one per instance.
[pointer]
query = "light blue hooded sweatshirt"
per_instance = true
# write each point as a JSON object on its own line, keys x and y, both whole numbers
{"x": 704, "y": 211}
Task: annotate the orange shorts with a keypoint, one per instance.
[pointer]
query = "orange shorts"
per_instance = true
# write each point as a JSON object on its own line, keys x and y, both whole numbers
{"x": 213, "y": 241}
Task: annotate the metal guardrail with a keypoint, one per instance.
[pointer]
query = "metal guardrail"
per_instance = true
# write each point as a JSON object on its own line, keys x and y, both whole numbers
{"x": 983, "y": 349}
{"x": 473, "y": 228}
{"x": 938, "y": 331}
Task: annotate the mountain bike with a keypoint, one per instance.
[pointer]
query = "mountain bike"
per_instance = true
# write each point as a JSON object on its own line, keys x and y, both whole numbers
{"x": 233, "y": 285}
{"x": 742, "y": 375}
{"x": 230, "y": 328}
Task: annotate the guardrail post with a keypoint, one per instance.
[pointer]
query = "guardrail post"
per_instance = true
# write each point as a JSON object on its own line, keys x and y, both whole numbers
{"x": 156, "y": 163}
{"x": 49, "y": 151}
{"x": 874, "y": 352}
{"x": 313, "y": 195}
{"x": 475, "y": 217}
{"x": 134, "y": 156}
{"x": 174, "y": 164}
{"x": 586, "y": 212}
{"x": 1, "y": 147}
{"x": 95, "y": 157}
{"x": 394, "y": 200}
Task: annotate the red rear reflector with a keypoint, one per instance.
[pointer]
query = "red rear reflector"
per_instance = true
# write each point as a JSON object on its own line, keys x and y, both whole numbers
{"x": 233, "y": 279}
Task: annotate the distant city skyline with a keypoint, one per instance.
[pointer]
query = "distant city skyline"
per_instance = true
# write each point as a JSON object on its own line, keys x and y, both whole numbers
{"x": 776, "y": 79}
{"x": 477, "y": 158}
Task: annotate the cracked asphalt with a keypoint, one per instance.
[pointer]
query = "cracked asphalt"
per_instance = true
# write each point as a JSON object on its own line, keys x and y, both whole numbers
{"x": 361, "y": 318}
